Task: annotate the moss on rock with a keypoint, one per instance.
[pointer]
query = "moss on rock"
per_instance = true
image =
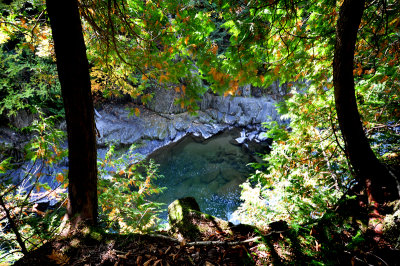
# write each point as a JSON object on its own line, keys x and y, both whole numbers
{"x": 391, "y": 225}
{"x": 187, "y": 220}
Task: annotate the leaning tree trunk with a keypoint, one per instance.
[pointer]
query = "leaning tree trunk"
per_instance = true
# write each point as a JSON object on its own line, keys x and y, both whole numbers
{"x": 368, "y": 170}
{"x": 73, "y": 72}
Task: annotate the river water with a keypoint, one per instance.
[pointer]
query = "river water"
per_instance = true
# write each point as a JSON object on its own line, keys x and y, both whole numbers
{"x": 210, "y": 171}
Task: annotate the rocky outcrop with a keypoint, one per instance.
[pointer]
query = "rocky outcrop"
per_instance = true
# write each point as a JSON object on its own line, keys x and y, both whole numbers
{"x": 239, "y": 111}
{"x": 151, "y": 130}
{"x": 22, "y": 118}
{"x": 164, "y": 123}
{"x": 164, "y": 98}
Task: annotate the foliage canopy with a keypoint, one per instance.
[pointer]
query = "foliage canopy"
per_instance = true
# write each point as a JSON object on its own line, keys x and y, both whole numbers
{"x": 192, "y": 46}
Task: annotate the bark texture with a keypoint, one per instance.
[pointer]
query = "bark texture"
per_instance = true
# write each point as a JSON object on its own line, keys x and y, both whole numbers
{"x": 73, "y": 72}
{"x": 368, "y": 169}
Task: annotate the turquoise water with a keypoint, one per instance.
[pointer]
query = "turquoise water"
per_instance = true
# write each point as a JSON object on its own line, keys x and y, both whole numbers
{"x": 210, "y": 171}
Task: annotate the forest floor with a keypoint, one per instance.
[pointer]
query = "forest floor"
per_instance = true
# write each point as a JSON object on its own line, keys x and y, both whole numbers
{"x": 205, "y": 240}
{"x": 97, "y": 249}
{"x": 160, "y": 249}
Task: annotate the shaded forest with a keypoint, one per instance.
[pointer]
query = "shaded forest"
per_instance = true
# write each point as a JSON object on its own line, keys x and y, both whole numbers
{"x": 326, "y": 192}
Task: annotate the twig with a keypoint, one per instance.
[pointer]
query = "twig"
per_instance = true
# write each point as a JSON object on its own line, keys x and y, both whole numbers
{"x": 380, "y": 126}
{"x": 14, "y": 227}
{"x": 225, "y": 243}
{"x": 379, "y": 258}
{"x": 165, "y": 237}
{"x": 357, "y": 259}
{"x": 207, "y": 243}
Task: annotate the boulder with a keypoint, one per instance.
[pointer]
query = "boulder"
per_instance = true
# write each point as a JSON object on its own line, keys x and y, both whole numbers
{"x": 187, "y": 221}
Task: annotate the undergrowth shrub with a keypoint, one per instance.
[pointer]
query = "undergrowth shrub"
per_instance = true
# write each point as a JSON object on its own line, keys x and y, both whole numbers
{"x": 125, "y": 184}
{"x": 307, "y": 171}
{"x": 28, "y": 186}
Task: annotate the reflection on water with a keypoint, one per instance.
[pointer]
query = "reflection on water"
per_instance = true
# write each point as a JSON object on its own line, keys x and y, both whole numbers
{"x": 210, "y": 171}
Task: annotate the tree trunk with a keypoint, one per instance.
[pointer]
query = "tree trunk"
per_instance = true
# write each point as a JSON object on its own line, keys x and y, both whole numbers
{"x": 368, "y": 170}
{"x": 73, "y": 72}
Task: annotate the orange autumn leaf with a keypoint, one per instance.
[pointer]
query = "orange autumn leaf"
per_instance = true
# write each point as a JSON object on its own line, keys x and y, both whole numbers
{"x": 137, "y": 111}
{"x": 30, "y": 46}
{"x": 384, "y": 79}
{"x": 187, "y": 40}
{"x": 276, "y": 70}
{"x": 163, "y": 78}
{"x": 214, "y": 49}
{"x": 60, "y": 177}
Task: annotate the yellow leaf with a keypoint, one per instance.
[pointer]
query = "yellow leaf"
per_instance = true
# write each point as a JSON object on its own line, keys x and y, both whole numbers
{"x": 298, "y": 25}
{"x": 144, "y": 77}
{"x": 182, "y": 104}
{"x": 121, "y": 172}
{"x": 184, "y": 89}
{"x": 186, "y": 40}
